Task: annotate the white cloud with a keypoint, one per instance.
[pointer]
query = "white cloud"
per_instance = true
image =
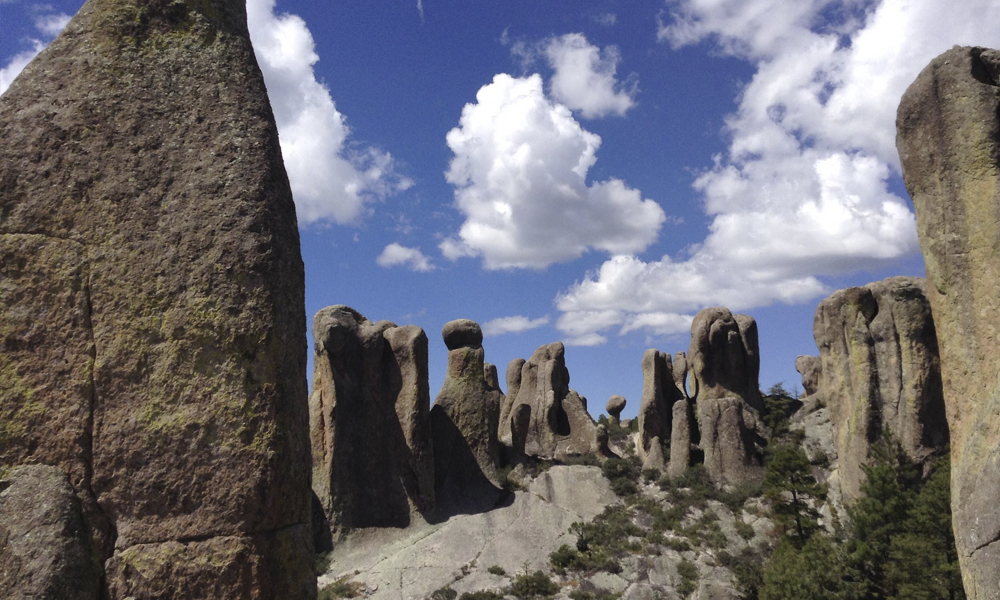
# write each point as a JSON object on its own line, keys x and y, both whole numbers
{"x": 515, "y": 324}
{"x": 20, "y": 60}
{"x": 585, "y": 77}
{"x": 605, "y": 18}
{"x": 420, "y": 10}
{"x": 49, "y": 25}
{"x": 803, "y": 190}
{"x": 395, "y": 255}
{"x": 520, "y": 173}
{"x": 331, "y": 179}
{"x": 52, "y": 25}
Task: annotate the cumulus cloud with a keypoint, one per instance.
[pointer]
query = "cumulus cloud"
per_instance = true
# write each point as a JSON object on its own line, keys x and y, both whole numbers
{"x": 585, "y": 77}
{"x": 331, "y": 178}
{"x": 520, "y": 173}
{"x": 396, "y": 255}
{"x": 803, "y": 189}
{"x": 49, "y": 26}
{"x": 515, "y": 324}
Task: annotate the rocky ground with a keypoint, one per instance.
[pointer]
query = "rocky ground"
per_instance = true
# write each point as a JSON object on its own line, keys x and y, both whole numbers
{"x": 664, "y": 541}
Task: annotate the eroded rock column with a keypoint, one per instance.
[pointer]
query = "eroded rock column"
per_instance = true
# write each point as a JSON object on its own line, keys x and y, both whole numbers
{"x": 948, "y": 136}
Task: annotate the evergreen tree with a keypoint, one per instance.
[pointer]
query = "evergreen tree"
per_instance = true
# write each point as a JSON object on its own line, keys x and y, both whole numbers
{"x": 816, "y": 571}
{"x": 923, "y": 560}
{"x": 793, "y": 491}
{"x": 880, "y": 514}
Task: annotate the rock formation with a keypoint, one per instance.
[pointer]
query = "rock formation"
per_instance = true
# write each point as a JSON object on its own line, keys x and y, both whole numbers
{"x": 680, "y": 371}
{"x": 680, "y": 439}
{"x": 369, "y": 417}
{"x": 724, "y": 364}
{"x": 559, "y": 425}
{"x": 811, "y": 370}
{"x": 879, "y": 370}
{"x": 45, "y": 549}
{"x": 464, "y": 424}
{"x": 614, "y": 408}
{"x": 656, "y": 410}
{"x": 948, "y": 136}
{"x": 153, "y": 300}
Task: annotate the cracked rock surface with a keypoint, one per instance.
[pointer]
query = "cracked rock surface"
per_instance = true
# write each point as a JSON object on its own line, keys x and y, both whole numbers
{"x": 948, "y": 136}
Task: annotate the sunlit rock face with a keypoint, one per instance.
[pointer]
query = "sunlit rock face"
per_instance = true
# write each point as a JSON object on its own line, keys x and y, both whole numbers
{"x": 724, "y": 365}
{"x": 880, "y": 370}
{"x": 558, "y": 424}
{"x": 152, "y": 298}
{"x": 948, "y": 136}
{"x": 373, "y": 464}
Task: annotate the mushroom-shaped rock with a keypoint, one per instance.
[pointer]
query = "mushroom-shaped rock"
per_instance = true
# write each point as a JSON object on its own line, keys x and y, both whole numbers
{"x": 465, "y": 420}
{"x": 614, "y": 408}
{"x": 462, "y": 333}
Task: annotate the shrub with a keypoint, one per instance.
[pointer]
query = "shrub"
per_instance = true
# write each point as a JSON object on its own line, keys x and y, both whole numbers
{"x": 445, "y": 593}
{"x": 622, "y": 473}
{"x": 745, "y": 530}
{"x": 481, "y": 595}
{"x": 342, "y": 588}
{"x": 689, "y": 578}
{"x": 538, "y": 584}
{"x": 496, "y": 570}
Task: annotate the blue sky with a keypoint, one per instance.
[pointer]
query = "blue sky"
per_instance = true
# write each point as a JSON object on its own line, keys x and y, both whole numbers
{"x": 590, "y": 172}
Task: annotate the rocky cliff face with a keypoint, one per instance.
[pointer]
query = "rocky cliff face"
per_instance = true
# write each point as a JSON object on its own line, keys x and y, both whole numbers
{"x": 152, "y": 293}
{"x": 948, "y": 136}
{"x": 879, "y": 369}
{"x": 370, "y": 421}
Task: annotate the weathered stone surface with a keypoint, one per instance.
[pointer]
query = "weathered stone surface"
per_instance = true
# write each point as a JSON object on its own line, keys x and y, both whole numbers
{"x": 370, "y": 421}
{"x": 144, "y": 135}
{"x": 513, "y": 379}
{"x": 811, "y": 370}
{"x": 614, "y": 408}
{"x": 462, "y": 333}
{"x": 729, "y": 440}
{"x": 264, "y": 565}
{"x": 680, "y": 439}
{"x": 658, "y": 396}
{"x": 724, "y": 359}
{"x": 724, "y": 364}
{"x": 47, "y": 363}
{"x": 559, "y": 425}
{"x": 490, "y": 376}
{"x": 46, "y": 551}
{"x": 464, "y": 424}
{"x": 948, "y": 136}
{"x": 414, "y": 562}
{"x": 680, "y": 371}
{"x": 880, "y": 369}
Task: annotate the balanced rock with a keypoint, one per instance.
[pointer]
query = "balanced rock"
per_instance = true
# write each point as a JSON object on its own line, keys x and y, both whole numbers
{"x": 724, "y": 365}
{"x": 880, "y": 370}
{"x": 656, "y": 410}
{"x": 559, "y": 424}
{"x": 462, "y": 333}
{"x": 464, "y": 423}
{"x": 948, "y": 136}
{"x": 144, "y": 203}
{"x": 811, "y": 370}
{"x": 614, "y": 408}
{"x": 369, "y": 417}
{"x": 45, "y": 549}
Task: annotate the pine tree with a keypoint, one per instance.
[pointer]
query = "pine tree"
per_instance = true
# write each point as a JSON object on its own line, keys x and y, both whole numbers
{"x": 923, "y": 560}
{"x": 793, "y": 491}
